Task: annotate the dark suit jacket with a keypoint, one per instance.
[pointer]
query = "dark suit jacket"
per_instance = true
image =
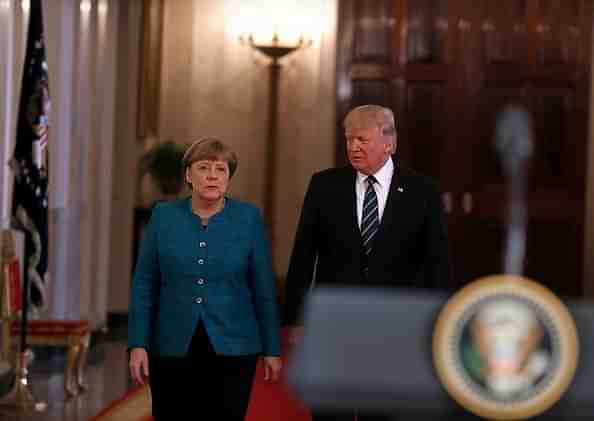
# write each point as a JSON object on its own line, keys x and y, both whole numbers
{"x": 410, "y": 249}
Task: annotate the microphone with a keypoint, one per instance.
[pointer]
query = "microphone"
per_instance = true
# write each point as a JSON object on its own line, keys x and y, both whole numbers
{"x": 513, "y": 140}
{"x": 514, "y": 143}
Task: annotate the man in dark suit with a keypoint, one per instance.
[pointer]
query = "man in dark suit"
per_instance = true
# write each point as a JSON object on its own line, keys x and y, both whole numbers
{"x": 373, "y": 223}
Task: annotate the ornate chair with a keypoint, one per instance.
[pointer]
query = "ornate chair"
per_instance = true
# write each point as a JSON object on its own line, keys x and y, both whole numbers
{"x": 73, "y": 334}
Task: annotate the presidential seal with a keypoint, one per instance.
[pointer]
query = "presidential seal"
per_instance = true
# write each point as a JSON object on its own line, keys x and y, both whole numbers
{"x": 505, "y": 348}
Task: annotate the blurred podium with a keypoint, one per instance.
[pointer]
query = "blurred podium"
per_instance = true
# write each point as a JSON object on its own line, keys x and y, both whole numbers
{"x": 372, "y": 350}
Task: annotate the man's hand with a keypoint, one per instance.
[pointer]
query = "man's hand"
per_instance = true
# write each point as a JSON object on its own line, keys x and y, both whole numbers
{"x": 272, "y": 368}
{"x": 139, "y": 365}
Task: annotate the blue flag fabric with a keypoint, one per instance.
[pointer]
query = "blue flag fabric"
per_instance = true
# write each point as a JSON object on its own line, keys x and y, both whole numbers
{"x": 30, "y": 163}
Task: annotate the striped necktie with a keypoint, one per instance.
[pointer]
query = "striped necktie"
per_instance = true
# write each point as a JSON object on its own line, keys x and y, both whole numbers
{"x": 370, "y": 216}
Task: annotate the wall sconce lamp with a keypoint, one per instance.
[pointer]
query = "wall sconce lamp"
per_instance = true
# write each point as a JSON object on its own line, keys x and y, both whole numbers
{"x": 274, "y": 50}
{"x": 274, "y": 47}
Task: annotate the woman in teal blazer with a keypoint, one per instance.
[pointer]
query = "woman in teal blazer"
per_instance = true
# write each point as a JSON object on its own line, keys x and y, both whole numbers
{"x": 203, "y": 304}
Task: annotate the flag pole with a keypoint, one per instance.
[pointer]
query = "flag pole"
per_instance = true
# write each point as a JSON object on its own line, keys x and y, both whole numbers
{"x": 20, "y": 399}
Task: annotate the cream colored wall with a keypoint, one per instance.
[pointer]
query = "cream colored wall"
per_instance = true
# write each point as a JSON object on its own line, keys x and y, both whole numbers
{"x": 125, "y": 155}
{"x": 214, "y": 86}
{"x": 307, "y": 132}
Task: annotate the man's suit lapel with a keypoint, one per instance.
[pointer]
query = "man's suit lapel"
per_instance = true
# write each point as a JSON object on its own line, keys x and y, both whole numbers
{"x": 350, "y": 192}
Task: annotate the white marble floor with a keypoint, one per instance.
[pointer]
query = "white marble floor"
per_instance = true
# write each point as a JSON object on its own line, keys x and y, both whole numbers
{"x": 106, "y": 375}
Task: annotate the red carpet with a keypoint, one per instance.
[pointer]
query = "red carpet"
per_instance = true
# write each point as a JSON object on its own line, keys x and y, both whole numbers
{"x": 269, "y": 402}
{"x": 274, "y": 402}
{"x": 135, "y": 405}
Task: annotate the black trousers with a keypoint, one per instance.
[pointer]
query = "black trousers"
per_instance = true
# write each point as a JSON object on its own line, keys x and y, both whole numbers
{"x": 202, "y": 385}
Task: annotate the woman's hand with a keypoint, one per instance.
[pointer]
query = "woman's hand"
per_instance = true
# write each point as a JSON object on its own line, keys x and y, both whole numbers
{"x": 139, "y": 365}
{"x": 272, "y": 368}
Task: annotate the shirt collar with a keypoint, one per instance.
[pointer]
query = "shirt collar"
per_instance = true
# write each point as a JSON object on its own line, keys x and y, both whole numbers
{"x": 383, "y": 175}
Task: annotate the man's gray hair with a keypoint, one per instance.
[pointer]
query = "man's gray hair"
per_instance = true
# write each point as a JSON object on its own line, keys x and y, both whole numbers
{"x": 366, "y": 115}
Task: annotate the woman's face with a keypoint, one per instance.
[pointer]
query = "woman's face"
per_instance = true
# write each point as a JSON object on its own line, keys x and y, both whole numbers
{"x": 209, "y": 179}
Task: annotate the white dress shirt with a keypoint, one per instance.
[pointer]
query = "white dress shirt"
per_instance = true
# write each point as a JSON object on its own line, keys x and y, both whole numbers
{"x": 382, "y": 188}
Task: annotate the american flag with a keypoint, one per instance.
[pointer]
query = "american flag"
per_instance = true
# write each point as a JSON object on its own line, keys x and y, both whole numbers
{"x": 30, "y": 163}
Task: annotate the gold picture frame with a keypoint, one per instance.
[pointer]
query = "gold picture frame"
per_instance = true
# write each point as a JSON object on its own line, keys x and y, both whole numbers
{"x": 505, "y": 347}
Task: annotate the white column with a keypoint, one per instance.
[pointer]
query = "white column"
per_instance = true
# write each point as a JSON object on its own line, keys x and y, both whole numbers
{"x": 6, "y": 88}
{"x": 14, "y": 23}
{"x": 82, "y": 49}
{"x": 105, "y": 90}
{"x": 83, "y": 176}
{"x": 64, "y": 222}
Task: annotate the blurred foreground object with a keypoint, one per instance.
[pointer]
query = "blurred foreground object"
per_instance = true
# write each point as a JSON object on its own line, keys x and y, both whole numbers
{"x": 371, "y": 349}
{"x": 505, "y": 347}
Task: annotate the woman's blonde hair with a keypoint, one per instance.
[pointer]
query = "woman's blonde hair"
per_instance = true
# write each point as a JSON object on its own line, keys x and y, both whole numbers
{"x": 209, "y": 149}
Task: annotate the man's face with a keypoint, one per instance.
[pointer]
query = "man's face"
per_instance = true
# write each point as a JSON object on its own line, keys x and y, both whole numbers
{"x": 367, "y": 148}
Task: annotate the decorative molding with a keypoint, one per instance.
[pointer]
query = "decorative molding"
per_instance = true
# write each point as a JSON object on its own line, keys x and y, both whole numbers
{"x": 149, "y": 82}
{"x": 371, "y": 71}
